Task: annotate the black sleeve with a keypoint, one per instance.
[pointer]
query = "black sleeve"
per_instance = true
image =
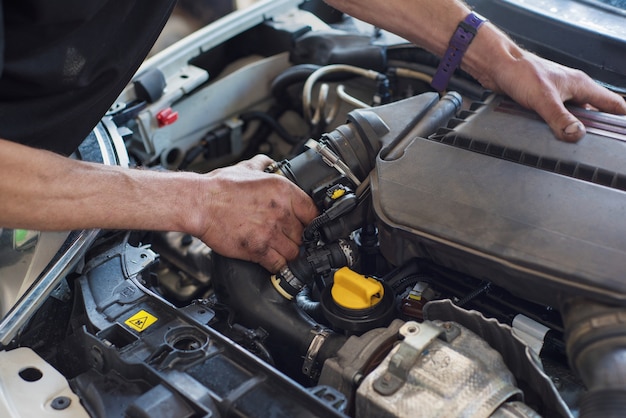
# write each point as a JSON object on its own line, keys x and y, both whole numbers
{"x": 64, "y": 62}
{"x": 1, "y": 39}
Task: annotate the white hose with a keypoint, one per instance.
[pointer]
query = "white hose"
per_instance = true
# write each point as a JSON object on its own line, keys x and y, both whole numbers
{"x": 317, "y": 114}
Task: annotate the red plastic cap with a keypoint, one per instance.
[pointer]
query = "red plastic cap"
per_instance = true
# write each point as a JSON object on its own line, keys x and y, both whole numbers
{"x": 166, "y": 117}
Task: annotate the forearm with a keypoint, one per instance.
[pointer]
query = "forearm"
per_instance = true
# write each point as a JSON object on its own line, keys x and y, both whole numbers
{"x": 44, "y": 191}
{"x": 493, "y": 59}
{"x": 239, "y": 211}
{"x": 430, "y": 24}
{"x": 427, "y": 23}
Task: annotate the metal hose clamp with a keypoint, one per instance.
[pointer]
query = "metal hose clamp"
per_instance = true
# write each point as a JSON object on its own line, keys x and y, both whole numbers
{"x": 309, "y": 360}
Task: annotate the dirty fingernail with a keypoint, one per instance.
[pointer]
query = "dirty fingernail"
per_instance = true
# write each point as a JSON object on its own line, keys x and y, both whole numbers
{"x": 573, "y": 128}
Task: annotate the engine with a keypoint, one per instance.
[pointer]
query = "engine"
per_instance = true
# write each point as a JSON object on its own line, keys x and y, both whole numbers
{"x": 464, "y": 263}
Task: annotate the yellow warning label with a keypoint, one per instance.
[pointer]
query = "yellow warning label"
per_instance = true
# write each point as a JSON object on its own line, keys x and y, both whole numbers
{"x": 141, "y": 320}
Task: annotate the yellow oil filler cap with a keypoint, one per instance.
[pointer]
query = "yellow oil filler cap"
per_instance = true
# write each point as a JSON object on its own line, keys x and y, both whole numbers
{"x": 352, "y": 290}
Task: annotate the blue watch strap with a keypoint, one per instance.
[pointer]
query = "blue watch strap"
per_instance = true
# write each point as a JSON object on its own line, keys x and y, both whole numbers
{"x": 460, "y": 41}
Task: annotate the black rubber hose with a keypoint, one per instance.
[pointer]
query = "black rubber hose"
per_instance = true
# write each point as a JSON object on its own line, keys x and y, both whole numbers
{"x": 262, "y": 133}
{"x": 293, "y": 75}
{"x": 596, "y": 346}
{"x": 603, "y": 403}
{"x": 246, "y": 288}
{"x": 397, "y": 275}
{"x": 272, "y": 123}
{"x": 191, "y": 155}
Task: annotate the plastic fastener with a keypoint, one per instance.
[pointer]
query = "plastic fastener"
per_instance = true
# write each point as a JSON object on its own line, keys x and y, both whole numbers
{"x": 166, "y": 117}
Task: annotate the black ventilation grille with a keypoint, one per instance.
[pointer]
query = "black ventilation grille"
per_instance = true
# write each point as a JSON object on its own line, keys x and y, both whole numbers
{"x": 572, "y": 169}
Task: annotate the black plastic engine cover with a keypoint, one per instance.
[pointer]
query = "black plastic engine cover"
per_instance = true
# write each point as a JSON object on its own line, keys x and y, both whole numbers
{"x": 498, "y": 197}
{"x": 132, "y": 354}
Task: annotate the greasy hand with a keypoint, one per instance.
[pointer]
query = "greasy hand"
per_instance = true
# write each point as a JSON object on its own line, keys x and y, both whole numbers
{"x": 252, "y": 215}
{"x": 544, "y": 86}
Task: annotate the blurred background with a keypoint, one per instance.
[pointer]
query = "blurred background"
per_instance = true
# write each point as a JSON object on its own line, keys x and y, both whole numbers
{"x": 190, "y": 15}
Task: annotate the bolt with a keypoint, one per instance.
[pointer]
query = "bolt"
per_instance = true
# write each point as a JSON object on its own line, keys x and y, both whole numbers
{"x": 60, "y": 403}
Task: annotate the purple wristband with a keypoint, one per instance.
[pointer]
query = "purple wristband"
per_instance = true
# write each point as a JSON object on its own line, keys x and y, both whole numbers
{"x": 460, "y": 41}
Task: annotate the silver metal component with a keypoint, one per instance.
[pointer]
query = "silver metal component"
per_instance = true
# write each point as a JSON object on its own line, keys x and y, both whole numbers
{"x": 348, "y": 252}
{"x": 461, "y": 377}
{"x": 137, "y": 259}
{"x": 290, "y": 278}
{"x": 119, "y": 147}
{"x": 529, "y": 331}
{"x": 518, "y": 357}
{"x": 343, "y": 95}
{"x": 318, "y": 114}
{"x": 357, "y": 357}
{"x": 245, "y": 87}
{"x": 515, "y": 410}
{"x": 309, "y": 360}
{"x": 332, "y": 160}
{"x": 112, "y": 148}
{"x": 417, "y": 337}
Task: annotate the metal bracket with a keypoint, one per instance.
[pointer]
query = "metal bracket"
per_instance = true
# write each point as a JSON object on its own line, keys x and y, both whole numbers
{"x": 417, "y": 337}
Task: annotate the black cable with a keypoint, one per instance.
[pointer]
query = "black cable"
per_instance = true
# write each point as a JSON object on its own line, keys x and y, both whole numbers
{"x": 262, "y": 133}
{"x": 191, "y": 155}
{"x": 272, "y": 123}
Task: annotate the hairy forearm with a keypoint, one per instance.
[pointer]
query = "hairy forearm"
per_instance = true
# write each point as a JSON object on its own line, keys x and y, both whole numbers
{"x": 430, "y": 24}
{"x": 239, "y": 211}
{"x": 493, "y": 59}
{"x": 44, "y": 191}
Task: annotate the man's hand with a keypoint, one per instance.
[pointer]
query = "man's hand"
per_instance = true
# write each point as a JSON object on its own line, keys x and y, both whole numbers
{"x": 253, "y": 215}
{"x": 544, "y": 86}
{"x": 239, "y": 211}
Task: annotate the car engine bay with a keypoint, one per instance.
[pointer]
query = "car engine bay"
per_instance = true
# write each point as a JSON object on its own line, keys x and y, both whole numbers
{"x": 465, "y": 263}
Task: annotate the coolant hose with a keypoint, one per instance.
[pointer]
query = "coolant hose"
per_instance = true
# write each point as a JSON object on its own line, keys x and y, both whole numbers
{"x": 247, "y": 289}
{"x": 596, "y": 346}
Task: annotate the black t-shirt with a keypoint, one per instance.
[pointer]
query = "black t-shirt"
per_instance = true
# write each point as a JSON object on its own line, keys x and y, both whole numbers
{"x": 64, "y": 62}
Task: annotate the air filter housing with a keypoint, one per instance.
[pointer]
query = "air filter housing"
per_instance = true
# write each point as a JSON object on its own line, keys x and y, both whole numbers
{"x": 496, "y": 196}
